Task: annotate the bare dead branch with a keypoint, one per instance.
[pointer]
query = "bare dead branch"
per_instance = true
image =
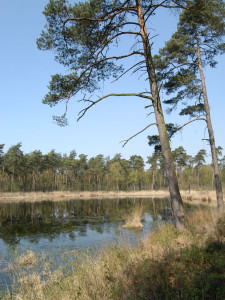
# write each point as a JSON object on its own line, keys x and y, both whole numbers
{"x": 196, "y": 119}
{"x": 126, "y": 141}
{"x": 122, "y": 56}
{"x": 147, "y": 106}
{"x": 151, "y": 6}
{"x": 150, "y": 114}
{"x": 83, "y": 111}
{"x": 127, "y": 71}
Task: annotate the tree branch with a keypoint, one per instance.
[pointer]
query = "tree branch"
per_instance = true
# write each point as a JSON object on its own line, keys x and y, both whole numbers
{"x": 104, "y": 18}
{"x": 196, "y": 119}
{"x": 140, "y": 62}
{"x": 83, "y": 111}
{"x": 126, "y": 141}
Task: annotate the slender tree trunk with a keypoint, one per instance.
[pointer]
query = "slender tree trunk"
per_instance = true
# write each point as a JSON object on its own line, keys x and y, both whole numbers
{"x": 33, "y": 181}
{"x": 37, "y": 181}
{"x": 135, "y": 180}
{"x": 153, "y": 179}
{"x": 219, "y": 191}
{"x": 198, "y": 178}
{"x": 212, "y": 179}
{"x": 176, "y": 199}
{"x": 12, "y": 180}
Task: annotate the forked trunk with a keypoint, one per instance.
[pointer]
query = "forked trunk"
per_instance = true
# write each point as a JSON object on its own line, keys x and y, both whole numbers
{"x": 219, "y": 191}
{"x": 176, "y": 199}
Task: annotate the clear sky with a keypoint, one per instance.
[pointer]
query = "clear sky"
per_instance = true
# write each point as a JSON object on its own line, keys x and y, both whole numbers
{"x": 24, "y": 76}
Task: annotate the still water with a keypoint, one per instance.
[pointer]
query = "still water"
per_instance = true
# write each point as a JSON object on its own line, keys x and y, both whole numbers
{"x": 51, "y": 228}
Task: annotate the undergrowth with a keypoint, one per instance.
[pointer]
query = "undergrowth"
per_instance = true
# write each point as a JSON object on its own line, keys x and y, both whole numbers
{"x": 168, "y": 264}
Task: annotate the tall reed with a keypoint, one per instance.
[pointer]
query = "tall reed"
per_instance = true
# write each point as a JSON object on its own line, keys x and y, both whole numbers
{"x": 133, "y": 219}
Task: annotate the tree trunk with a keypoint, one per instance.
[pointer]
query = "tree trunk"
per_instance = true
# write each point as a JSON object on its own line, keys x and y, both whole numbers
{"x": 33, "y": 181}
{"x": 219, "y": 191}
{"x": 176, "y": 199}
{"x": 198, "y": 178}
{"x": 212, "y": 179}
{"x": 11, "y": 184}
{"x": 153, "y": 179}
{"x": 12, "y": 180}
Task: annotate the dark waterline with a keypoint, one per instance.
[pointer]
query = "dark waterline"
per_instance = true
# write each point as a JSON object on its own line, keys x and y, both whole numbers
{"x": 52, "y": 228}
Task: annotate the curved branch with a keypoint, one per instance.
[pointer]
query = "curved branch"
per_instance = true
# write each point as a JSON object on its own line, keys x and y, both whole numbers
{"x": 126, "y": 141}
{"x": 155, "y": 7}
{"x": 109, "y": 16}
{"x": 128, "y": 23}
{"x": 83, "y": 111}
{"x": 120, "y": 57}
{"x": 196, "y": 119}
{"x": 140, "y": 62}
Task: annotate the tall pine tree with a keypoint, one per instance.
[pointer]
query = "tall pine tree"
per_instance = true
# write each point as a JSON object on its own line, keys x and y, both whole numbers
{"x": 81, "y": 35}
{"x": 197, "y": 42}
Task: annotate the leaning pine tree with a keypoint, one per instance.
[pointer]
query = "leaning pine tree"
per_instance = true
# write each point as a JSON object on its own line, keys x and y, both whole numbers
{"x": 198, "y": 40}
{"x": 82, "y": 35}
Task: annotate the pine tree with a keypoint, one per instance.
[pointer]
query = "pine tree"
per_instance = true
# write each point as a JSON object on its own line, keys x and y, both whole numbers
{"x": 197, "y": 42}
{"x": 81, "y": 35}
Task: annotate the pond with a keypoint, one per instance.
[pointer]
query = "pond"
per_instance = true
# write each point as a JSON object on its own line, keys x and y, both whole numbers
{"x": 51, "y": 228}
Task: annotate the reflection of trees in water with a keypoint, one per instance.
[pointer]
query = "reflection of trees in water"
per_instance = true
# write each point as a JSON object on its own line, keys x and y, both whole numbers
{"x": 54, "y": 218}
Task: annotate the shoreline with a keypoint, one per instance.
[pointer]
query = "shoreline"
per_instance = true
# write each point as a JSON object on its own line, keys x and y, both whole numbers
{"x": 188, "y": 262}
{"x": 202, "y": 196}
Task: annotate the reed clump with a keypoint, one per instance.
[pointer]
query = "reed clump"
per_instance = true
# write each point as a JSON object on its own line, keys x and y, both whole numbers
{"x": 168, "y": 264}
{"x": 133, "y": 219}
{"x": 28, "y": 260}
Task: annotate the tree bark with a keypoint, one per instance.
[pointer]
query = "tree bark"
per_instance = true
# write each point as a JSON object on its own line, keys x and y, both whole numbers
{"x": 198, "y": 178}
{"x": 153, "y": 179}
{"x": 12, "y": 181}
{"x": 176, "y": 199}
{"x": 219, "y": 191}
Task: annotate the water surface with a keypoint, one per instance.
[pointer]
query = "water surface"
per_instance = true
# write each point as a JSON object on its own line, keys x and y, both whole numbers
{"x": 52, "y": 228}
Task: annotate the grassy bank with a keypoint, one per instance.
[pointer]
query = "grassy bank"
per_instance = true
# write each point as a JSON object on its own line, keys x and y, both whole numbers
{"x": 194, "y": 196}
{"x": 167, "y": 265}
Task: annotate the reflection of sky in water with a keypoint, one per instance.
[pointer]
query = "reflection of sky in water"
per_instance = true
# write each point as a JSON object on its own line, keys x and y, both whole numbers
{"x": 73, "y": 232}
{"x": 83, "y": 236}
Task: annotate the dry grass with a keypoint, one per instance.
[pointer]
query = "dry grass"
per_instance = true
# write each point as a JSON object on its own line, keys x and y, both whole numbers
{"x": 194, "y": 196}
{"x": 168, "y": 264}
{"x": 59, "y": 196}
{"x": 198, "y": 197}
{"x": 133, "y": 219}
{"x": 27, "y": 260}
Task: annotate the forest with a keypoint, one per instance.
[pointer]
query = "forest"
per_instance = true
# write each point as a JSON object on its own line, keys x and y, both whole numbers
{"x": 54, "y": 171}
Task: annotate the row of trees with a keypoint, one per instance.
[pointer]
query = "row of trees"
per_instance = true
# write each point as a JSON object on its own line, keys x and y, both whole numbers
{"x": 53, "y": 171}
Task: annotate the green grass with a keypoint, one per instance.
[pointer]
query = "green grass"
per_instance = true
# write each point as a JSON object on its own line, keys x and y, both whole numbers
{"x": 168, "y": 264}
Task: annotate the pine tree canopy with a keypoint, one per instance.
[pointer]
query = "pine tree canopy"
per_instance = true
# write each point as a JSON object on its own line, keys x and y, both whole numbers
{"x": 201, "y": 24}
{"x": 81, "y": 36}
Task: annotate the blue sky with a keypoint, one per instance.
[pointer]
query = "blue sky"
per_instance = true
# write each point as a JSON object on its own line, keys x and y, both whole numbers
{"x": 24, "y": 76}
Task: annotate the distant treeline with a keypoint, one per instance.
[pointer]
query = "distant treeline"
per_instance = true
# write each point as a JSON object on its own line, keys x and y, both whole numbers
{"x": 56, "y": 172}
